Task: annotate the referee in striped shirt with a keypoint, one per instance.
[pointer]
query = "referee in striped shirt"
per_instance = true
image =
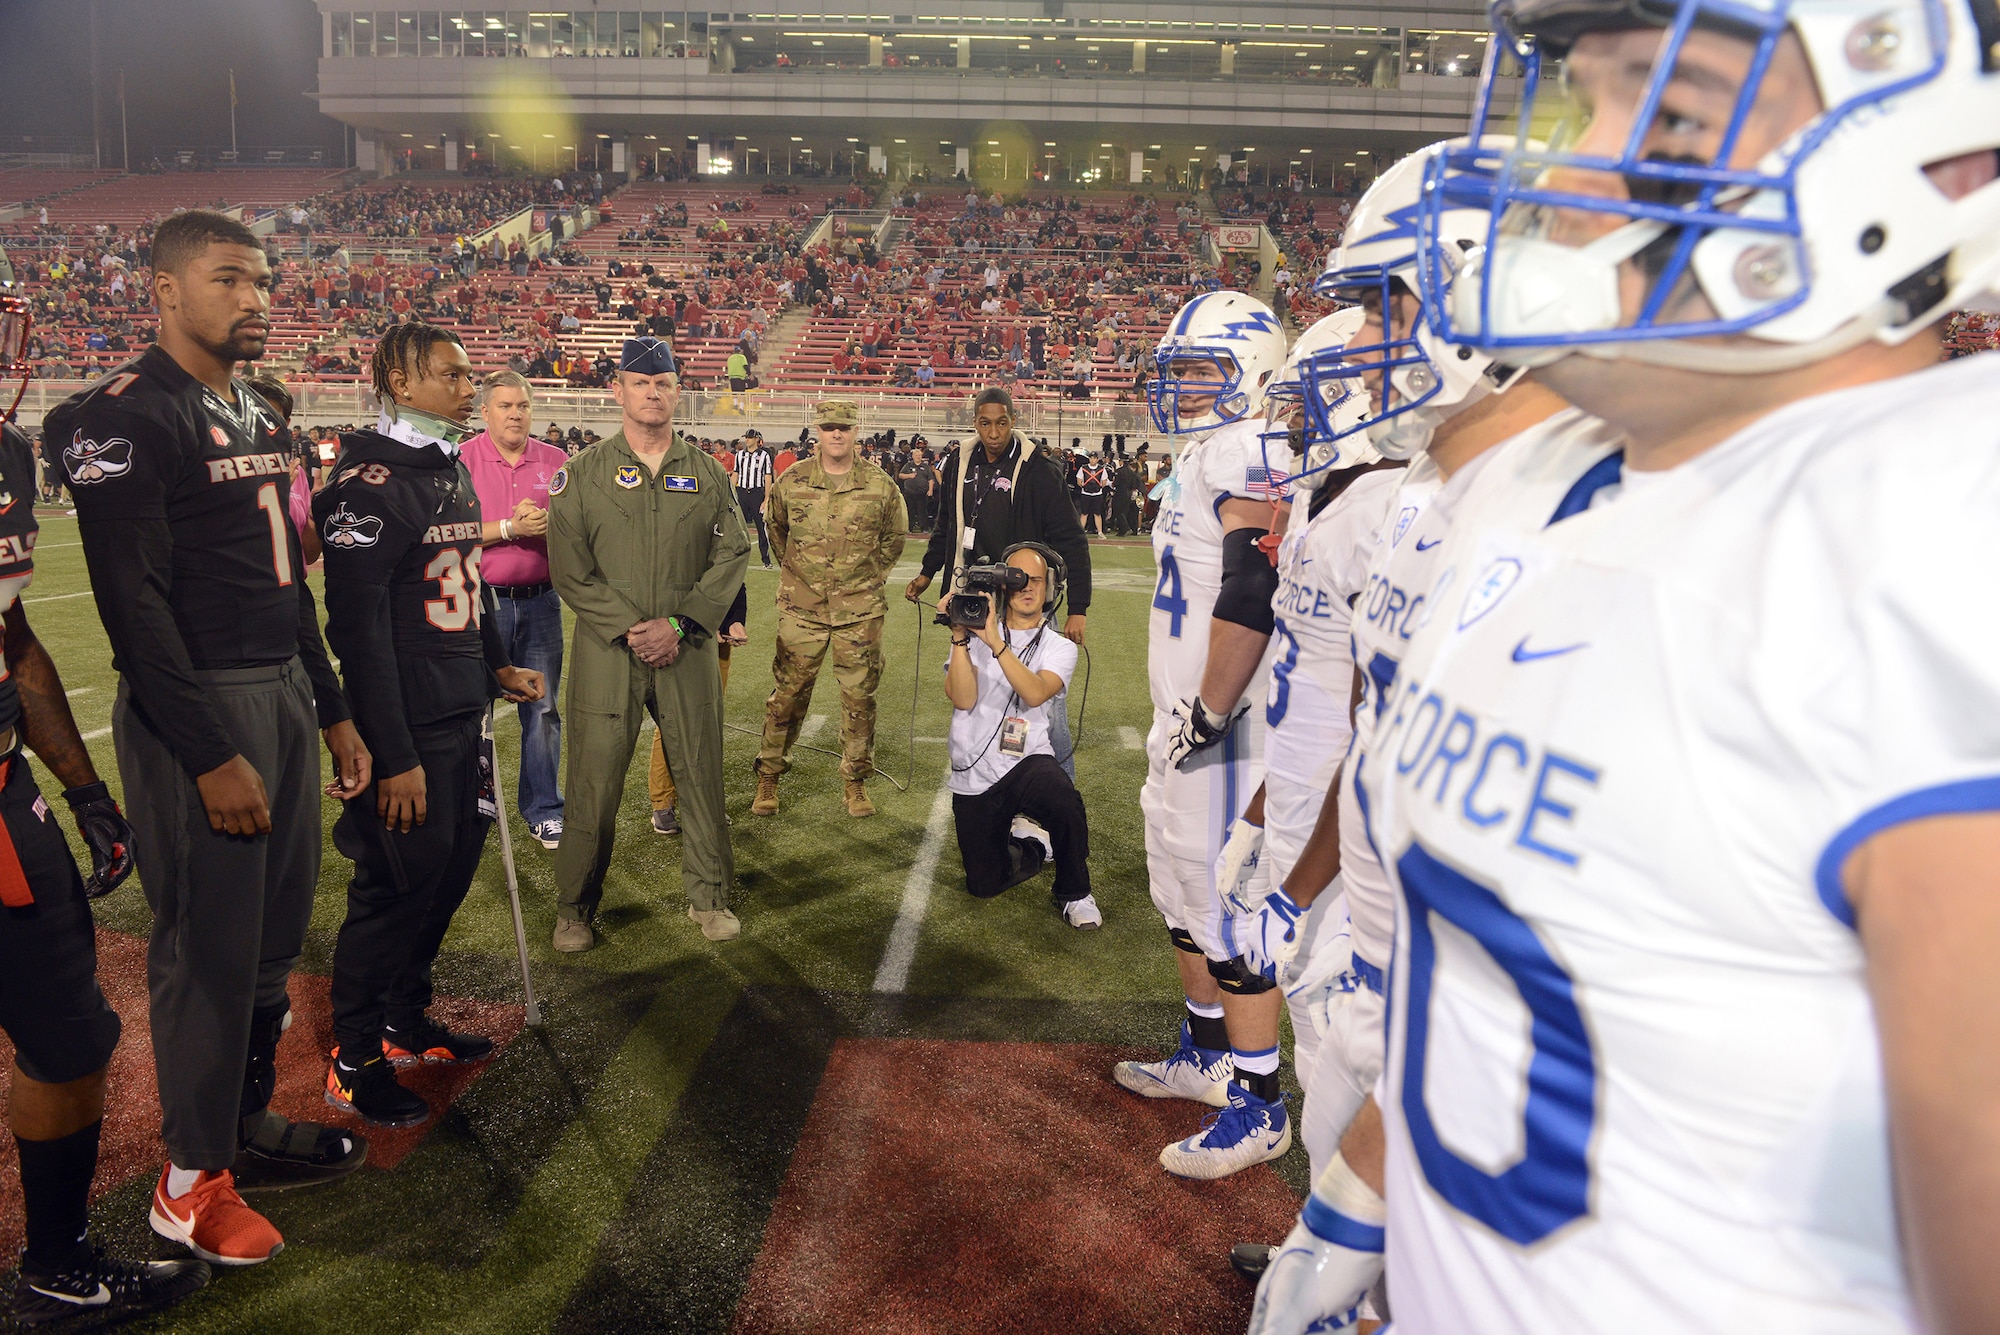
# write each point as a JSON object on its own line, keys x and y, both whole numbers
{"x": 753, "y": 474}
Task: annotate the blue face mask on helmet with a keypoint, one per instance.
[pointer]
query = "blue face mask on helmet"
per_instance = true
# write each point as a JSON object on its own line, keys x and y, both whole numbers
{"x": 1825, "y": 240}
{"x": 1240, "y": 345}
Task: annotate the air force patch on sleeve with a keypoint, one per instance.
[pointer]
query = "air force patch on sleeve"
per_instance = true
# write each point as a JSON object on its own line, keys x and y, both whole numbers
{"x": 559, "y": 483}
{"x": 674, "y": 482}
{"x": 627, "y": 476}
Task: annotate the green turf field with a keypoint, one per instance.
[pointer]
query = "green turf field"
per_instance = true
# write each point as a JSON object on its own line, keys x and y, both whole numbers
{"x": 616, "y": 1168}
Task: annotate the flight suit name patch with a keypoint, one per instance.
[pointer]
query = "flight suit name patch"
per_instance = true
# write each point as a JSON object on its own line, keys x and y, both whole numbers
{"x": 627, "y": 476}
{"x": 671, "y": 482}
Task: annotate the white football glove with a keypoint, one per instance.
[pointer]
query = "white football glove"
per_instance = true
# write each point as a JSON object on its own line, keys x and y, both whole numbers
{"x": 1236, "y": 871}
{"x": 1196, "y": 728}
{"x": 1313, "y": 1286}
{"x": 1271, "y": 937}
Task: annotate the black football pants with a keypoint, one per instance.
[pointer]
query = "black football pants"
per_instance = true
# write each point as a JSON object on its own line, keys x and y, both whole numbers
{"x": 405, "y": 889}
{"x": 229, "y": 912}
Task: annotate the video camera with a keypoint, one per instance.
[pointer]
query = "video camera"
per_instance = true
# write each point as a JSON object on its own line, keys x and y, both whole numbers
{"x": 972, "y": 591}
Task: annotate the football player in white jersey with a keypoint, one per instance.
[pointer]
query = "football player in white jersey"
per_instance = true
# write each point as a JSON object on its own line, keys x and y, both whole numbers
{"x": 1208, "y": 647}
{"x": 1690, "y": 797}
{"x": 1340, "y": 491}
{"x": 1445, "y": 410}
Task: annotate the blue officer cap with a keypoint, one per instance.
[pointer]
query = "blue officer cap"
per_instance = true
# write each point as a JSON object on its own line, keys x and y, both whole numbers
{"x": 648, "y": 356}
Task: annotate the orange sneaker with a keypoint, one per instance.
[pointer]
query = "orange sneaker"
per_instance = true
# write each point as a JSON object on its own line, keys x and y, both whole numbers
{"x": 213, "y": 1222}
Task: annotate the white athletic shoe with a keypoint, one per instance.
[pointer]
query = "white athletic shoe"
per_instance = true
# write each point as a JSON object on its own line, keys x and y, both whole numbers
{"x": 1247, "y": 1132}
{"x": 1180, "y": 1076}
{"x": 1083, "y": 914}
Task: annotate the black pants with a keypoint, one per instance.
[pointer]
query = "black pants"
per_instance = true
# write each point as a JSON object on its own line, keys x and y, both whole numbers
{"x": 405, "y": 889}
{"x": 752, "y": 501}
{"x": 229, "y": 912}
{"x": 1038, "y": 789}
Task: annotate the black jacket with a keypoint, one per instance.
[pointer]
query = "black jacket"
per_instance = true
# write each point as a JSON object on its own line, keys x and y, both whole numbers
{"x": 1033, "y": 506}
{"x": 405, "y": 609}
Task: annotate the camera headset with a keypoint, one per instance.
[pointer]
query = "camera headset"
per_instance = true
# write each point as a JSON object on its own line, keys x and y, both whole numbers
{"x": 1057, "y": 585}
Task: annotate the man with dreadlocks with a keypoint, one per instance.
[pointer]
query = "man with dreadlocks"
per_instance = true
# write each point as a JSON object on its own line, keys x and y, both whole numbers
{"x": 180, "y": 476}
{"x": 400, "y": 527}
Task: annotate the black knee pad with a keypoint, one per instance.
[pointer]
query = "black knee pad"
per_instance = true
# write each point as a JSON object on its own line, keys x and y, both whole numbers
{"x": 1232, "y": 977}
{"x": 1183, "y": 940}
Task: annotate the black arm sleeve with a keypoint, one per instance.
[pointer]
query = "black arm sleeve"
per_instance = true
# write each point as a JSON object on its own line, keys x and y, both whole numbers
{"x": 944, "y": 529}
{"x": 739, "y": 611}
{"x": 1248, "y": 582}
{"x": 490, "y": 642}
{"x": 131, "y": 570}
{"x": 329, "y": 701}
{"x": 1059, "y": 527}
{"x": 358, "y": 629}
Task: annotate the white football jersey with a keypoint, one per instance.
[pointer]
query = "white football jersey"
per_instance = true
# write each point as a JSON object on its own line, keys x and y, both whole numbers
{"x": 1228, "y": 463}
{"x": 1404, "y": 582}
{"x": 1322, "y": 569}
{"x": 1633, "y": 1079}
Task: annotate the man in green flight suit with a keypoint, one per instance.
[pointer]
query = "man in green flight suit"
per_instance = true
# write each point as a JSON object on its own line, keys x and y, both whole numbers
{"x": 647, "y": 549}
{"x": 837, "y": 526}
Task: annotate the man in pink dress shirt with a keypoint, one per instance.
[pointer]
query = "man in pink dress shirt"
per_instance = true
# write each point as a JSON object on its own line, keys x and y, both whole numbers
{"x": 511, "y": 471}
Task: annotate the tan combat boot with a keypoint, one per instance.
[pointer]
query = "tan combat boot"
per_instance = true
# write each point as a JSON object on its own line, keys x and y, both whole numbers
{"x": 767, "y": 796}
{"x": 857, "y": 799}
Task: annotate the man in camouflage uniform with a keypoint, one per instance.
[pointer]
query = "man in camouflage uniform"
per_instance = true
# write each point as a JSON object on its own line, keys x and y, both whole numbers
{"x": 837, "y": 526}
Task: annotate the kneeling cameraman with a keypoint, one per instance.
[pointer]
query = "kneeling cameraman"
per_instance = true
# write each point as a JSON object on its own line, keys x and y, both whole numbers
{"x": 1003, "y": 764}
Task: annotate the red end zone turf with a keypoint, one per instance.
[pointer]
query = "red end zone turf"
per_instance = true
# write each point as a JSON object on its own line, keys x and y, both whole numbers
{"x": 1000, "y": 1187}
{"x": 131, "y": 1145}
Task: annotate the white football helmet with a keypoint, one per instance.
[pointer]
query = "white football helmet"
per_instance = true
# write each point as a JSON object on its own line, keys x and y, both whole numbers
{"x": 1837, "y": 236}
{"x": 1231, "y": 331}
{"x": 1419, "y": 381}
{"x": 1291, "y": 432}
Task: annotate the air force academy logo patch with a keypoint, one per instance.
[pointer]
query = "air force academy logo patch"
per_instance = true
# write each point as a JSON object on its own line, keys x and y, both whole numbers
{"x": 87, "y": 462}
{"x": 344, "y": 528}
{"x": 559, "y": 483}
{"x": 1488, "y": 589}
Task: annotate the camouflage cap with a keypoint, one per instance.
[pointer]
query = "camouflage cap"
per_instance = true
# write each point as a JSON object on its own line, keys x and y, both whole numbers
{"x": 837, "y": 412}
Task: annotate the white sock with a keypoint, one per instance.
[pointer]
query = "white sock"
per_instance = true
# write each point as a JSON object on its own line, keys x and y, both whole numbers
{"x": 1257, "y": 1063}
{"x": 180, "y": 1181}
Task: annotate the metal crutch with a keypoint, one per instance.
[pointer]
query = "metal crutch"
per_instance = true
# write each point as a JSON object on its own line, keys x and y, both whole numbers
{"x": 507, "y": 860}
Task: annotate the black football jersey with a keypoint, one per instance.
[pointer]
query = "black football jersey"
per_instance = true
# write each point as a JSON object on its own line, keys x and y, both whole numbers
{"x": 18, "y": 527}
{"x": 183, "y": 501}
{"x": 399, "y": 527}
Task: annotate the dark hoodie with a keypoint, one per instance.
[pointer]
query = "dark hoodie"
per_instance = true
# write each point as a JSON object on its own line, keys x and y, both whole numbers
{"x": 405, "y": 614}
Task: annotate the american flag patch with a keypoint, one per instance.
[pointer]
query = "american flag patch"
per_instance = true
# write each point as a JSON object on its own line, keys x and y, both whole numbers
{"x": 41, "y": 810}
{"x": 1266, "y": 482}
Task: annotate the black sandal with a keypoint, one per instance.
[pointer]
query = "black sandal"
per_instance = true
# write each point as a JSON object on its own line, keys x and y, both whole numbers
{"x": 282, "y": 1153}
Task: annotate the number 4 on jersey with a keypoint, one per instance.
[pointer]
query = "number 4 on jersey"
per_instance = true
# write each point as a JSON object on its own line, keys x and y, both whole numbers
{"x": 1167, "y": 596}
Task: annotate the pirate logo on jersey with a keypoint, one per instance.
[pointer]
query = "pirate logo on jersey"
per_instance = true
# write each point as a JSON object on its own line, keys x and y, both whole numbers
{"x": 344, "y": 528}
{"x": 6, "y": 500}
{"x": 87, "y": 461}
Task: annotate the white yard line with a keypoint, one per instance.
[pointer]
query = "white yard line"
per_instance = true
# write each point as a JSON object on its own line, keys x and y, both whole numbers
{"x": 810, "y": 728}
{"x": 57, "y": 597}
{"x": 96, "y": 733}
{"x": 893, "y": 974}
{"x": 1131, "y": 738}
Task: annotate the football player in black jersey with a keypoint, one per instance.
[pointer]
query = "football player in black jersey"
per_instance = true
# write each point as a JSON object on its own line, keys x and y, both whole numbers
{"x": 51, "y": 1006}
{"x": 399, "y": 524}
{"x": 180, "y": 478}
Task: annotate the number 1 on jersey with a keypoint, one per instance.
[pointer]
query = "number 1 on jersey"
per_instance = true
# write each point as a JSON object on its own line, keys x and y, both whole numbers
{"x": 273, "y": 507}
{"x": 1167, "y": 596}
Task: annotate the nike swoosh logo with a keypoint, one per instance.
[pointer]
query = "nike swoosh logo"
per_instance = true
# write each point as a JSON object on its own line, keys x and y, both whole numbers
{"x": 98, "y": 1299}
{"x": 1423, "y": 546}
{"x": 1523, "y": 654}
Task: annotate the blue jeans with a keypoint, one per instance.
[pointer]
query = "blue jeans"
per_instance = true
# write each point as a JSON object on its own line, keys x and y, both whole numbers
{"x": 531, "y": 628}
